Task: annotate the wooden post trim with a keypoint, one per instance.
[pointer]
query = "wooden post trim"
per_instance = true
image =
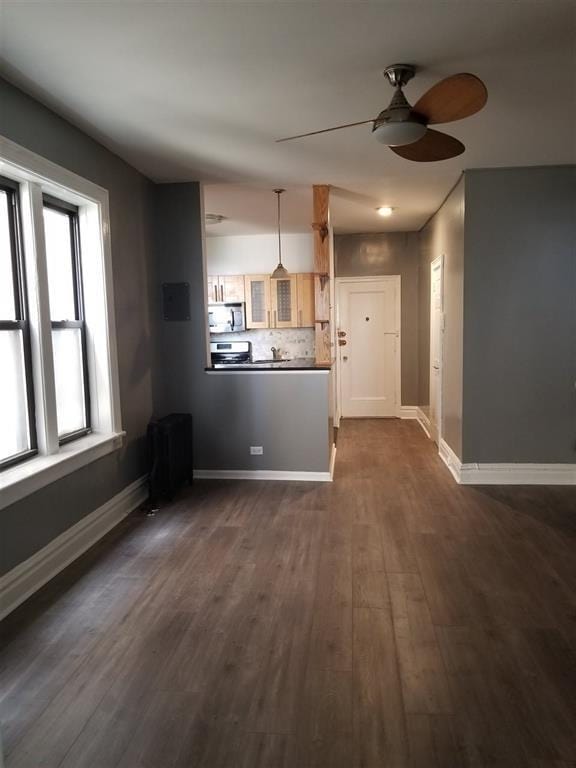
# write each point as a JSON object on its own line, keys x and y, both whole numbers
{"x": 321, "y": 228}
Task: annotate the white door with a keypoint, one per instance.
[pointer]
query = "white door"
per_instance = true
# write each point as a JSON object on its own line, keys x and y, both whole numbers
{"x": 369, "y": 358}
{"x": 436, "y": 320}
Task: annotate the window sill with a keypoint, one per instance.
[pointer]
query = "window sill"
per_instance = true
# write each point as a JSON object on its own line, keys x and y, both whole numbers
{"x": 23, "y": 479}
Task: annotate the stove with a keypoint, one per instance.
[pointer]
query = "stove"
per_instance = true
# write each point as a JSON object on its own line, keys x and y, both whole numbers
{"x": 230, "y": 352}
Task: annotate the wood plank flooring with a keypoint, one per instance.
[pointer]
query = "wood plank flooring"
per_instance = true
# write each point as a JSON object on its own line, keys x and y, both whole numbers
{"x": 391, "y": 619}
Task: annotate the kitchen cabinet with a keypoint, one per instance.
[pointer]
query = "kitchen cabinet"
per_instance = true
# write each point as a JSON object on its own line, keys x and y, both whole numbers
{"x": 305, "y": 299}
{"x": 287, "y": 302}
{"x": 226, "y": 288}
{"x": 258, "y": 306}
{"x": 284, "y": 296}
{"x": 213, "y": 284}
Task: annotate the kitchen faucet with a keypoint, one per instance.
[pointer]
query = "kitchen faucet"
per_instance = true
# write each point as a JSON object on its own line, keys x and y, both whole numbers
{"x": 275, "y": 353}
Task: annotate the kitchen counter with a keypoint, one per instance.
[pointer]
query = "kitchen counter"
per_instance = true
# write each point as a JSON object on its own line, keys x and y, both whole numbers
{"x": 297, "y": 364}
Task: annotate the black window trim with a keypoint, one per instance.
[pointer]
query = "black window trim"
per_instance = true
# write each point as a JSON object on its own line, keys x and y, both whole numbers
{"x": 79, "y": 322}
{"x": 21, "y": 323}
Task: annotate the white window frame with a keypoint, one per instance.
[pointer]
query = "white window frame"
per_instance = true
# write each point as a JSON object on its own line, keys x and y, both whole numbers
{"x": 38, "y": 176}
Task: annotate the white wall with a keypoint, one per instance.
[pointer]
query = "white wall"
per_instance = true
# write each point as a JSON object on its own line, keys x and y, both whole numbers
{"x": 258, "y": 254}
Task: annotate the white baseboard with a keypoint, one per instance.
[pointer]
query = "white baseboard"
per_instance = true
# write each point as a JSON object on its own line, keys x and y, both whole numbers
{"x": 261, "y": 474}
{"x": 424, "y": 422}
{"x": 332, "y": 461}
{"x": 506, "y": 474}
{"x": 450, "y": 459}
{"x": 518, "y": 474}
{"x": 27, "y": 577}
{"x": 414, "y": 412}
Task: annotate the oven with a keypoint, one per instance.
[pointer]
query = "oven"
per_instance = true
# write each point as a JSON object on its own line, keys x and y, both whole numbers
{"x": 230, "y": 353}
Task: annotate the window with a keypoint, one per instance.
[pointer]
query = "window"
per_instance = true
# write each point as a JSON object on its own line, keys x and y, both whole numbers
{"x": 59, "y": 391}
{"x": 18, "y": 434}
{"x": 65, "y": 290}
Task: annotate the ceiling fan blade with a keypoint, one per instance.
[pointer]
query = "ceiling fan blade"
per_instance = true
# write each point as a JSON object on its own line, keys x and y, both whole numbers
{"x": 325, "y": 130}
{"x": 434, "y": 145}
{"x": 452, "y": 99}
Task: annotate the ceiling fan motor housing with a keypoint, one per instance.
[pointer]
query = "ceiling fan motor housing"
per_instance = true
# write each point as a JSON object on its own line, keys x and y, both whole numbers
{"x": 400, "y": 74}
{"x": 398, "y": 124}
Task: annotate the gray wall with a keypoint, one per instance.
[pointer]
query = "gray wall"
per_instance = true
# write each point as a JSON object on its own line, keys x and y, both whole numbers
{"x": 444, "y": 234}
{"x": 285, "y": 413}
{"x": 520, "y": 315}
{"x": 31, "y": 523}
{"x": 391, "y": 253}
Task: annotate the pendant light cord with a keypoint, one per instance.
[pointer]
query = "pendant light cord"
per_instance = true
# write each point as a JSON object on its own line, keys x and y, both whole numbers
{"x": 279, "y": 238}
{"x": 278, "y": 193}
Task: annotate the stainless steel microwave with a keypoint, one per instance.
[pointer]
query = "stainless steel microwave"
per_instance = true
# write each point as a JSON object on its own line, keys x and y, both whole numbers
{"x": 227, "y": 317}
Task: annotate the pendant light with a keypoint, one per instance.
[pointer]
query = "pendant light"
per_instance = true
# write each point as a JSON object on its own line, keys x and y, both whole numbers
{"x": 280, "y": 270}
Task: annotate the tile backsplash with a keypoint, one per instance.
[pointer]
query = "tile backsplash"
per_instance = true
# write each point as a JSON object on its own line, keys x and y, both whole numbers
{"x": 292, "y": 342}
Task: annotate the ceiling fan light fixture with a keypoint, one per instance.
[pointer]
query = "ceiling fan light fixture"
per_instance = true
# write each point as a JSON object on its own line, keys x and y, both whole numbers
{"x": 385, "y": 210}
{"x": 396, "y": 134}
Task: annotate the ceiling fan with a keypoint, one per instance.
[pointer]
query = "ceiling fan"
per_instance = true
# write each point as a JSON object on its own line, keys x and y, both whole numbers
{"x": 405, "y": 129}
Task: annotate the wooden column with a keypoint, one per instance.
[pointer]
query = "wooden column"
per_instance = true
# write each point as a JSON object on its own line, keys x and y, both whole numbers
{"x": 322, "y": 244}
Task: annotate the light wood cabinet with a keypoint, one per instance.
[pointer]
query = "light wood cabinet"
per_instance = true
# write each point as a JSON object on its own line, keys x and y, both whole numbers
{"x": 213, "y": 293}
{"x": 226, "y": 288}
{"x": 270, "y": 303}
{"x": 284, "y": 296}
{"x": 258, "y": 308}
{"x": 305, "y": 291}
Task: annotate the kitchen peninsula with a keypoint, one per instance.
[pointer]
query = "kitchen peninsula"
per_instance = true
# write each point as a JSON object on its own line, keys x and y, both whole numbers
{"x": 260, "y": 423}
{"x": 299, "y": 364}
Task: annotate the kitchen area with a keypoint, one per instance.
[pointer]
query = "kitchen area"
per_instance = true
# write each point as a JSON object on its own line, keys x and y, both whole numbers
{"x": 257, "y": 319}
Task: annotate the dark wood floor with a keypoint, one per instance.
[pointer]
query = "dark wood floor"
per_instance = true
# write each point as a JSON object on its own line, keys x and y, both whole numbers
{"x": 388, "y": 620}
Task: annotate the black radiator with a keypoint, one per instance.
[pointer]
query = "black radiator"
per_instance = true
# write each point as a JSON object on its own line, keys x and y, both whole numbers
{"x": 170, "y": 455}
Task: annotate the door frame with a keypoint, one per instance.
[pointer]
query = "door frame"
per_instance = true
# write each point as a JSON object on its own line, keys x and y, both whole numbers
{"x": 437, "y": 262}
{"x": 397, "y": 279}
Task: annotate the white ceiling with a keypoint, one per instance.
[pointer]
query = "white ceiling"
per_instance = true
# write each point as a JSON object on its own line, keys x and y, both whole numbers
{"x": 200, "y": 90}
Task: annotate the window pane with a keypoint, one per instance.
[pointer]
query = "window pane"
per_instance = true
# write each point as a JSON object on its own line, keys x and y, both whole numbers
{"x": 69, "y": 376}
{"x": 14, "y": 432}
{"x": 59, "y": 258}
{"x": 7, "y": 307}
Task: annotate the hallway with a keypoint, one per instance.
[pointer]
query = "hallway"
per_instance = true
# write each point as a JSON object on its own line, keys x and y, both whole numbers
{"x": 391, "y": 619}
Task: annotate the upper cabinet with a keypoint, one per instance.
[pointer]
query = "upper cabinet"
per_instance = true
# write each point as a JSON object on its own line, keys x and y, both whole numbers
{"x": 226, "y": 288}
{"x": 284, "y": 302}
{"x": 232, "y": 288}
{"x": 305, "y": 289}
{"x": 213, "y": 285}
{"x": 257, "y": 292}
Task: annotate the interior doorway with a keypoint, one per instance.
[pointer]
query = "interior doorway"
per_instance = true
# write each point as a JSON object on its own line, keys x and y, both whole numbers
{"x": 436, "y": 346}
{"x": 368, "y": 351}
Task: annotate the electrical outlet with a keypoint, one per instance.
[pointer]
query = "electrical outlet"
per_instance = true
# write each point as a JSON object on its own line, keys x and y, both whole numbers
{"x": 256, "y": 450}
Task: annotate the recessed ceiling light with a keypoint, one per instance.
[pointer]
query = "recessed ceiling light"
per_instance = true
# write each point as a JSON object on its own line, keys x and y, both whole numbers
{"x": 385, "y": 210}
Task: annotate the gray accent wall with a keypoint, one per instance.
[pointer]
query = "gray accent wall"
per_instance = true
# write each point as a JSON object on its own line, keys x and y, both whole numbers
{"x": 444, "y": 235}
{"x": 286, "y": 413}
{"x": 391, "y": 253}
{"x": 520, "y": 316}
{"x": 30, "y": 524}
